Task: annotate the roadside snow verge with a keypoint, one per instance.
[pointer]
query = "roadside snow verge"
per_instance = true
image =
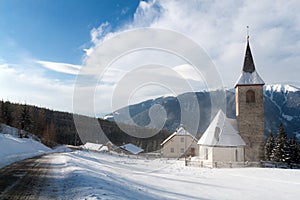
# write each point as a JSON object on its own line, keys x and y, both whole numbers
{"x": 13, "y": 149}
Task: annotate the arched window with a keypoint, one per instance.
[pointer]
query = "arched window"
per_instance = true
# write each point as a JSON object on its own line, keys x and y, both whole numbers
{"x": 250, "y": 96}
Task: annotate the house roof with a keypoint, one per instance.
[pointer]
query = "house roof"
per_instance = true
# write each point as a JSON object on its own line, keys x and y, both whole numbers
{"x": 249, "y": 75}
{"x": 222, "y": 131}
{"x": 132, "y": 148}
{"x": 180, "y": 132}
{"x": 92, "y": 146}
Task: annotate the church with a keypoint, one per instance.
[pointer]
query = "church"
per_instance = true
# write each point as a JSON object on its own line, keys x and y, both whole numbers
{"x": 232, "y": 142}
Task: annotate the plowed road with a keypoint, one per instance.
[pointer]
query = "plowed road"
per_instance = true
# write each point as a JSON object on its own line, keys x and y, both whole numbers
{"x": 24, "y": 179}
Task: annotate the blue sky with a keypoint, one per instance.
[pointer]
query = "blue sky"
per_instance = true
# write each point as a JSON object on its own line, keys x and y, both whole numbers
{"x": 56, "y": 30}
{"x": 45, "y": 44}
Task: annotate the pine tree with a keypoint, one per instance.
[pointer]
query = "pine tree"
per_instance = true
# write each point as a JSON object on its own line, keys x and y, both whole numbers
{"x": 269, "y": 147}
{"x": 295, "y": 151}
{"x": 25, "y": 119}
{"x": 287, "y": 151}
{"x": 6, "y": 114}
{"x": 280, "y": 143}
{"x": 49, "y": 135}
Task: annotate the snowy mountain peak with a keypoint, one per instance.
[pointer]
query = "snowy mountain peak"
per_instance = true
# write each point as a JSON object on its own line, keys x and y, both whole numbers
{"x": 285, "y": 88}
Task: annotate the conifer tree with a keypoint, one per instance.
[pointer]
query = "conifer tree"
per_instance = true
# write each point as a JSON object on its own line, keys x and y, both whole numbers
{"x": 6, "y": 115}
{"x": 295, "y": 151}
{"x": 278, "y": 151}
{"x": 49, "y": 135}
{"x": 269, "y": 147}
{"x": 287, "y": 151}
{"x": 25, "y": 119}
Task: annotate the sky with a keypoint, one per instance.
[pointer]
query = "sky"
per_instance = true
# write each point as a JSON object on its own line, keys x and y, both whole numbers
{"x": 45, "y": 45}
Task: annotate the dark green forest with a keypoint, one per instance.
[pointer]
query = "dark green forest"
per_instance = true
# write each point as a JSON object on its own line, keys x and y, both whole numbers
{"x": 56, "y": 127}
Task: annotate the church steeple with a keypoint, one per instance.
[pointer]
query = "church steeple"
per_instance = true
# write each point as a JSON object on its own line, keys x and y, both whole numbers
{"x": 249, "y": 97}
{"x": 248, "y": 60}
{"x": 249, "y": 75}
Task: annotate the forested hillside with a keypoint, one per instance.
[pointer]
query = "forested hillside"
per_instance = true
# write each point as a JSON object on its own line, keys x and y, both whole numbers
{"x": 55, "y": 127}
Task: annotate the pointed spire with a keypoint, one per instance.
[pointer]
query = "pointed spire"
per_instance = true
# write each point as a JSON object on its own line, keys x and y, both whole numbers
{"x": 248, "y": 61}
{"x": 249, "y": 75}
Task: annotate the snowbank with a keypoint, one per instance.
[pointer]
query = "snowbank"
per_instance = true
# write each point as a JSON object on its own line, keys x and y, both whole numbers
{"x": 90, "y": 175}
{"x": 13, "y": 149}
{"x": 61, "y": 149}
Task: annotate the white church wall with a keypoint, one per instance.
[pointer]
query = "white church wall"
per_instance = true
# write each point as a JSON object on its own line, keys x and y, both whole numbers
{"x": 228, "y": 154}
{"x": 221, "y": 156}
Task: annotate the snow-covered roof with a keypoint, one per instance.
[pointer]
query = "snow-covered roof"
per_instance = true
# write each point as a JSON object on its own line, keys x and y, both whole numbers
{"x": 249, "y": 75}
{"x": 131, "y": 148}
{"x": 181, "y": 131}
{"x": 104, "y": 148}
{"x": 92, "y": 146}
{"x": 248, "y": 78}
{"x": 222, "y": 131}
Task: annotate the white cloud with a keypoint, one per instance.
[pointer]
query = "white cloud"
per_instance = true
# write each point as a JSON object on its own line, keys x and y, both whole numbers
{"x": 61, "y": 67}
{"x": 23, "y": 86}
{"x": 220, "y": 27}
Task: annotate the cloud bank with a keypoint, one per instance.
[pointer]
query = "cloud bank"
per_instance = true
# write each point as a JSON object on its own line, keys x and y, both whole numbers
{"x": 218, "y": 26}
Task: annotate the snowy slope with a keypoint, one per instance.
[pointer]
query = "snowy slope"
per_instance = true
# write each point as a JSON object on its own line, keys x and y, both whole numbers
{"x": 84, "y": 175}
{"x": 285, "y": 88}
{"x": 13, "y": 149}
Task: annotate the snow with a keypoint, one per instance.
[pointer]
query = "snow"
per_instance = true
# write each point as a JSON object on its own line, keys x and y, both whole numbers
{"x": 61, "y": 148}
{"x": 222, "y": 131}
{"x": 89, "y": 175}
{"x": 108, "y": 117}
{"x": 92, "y": 146}
{"x": 13, "y": 149}
{"x": 132, "y": 148}
{"x": 180, "y": 131}
{"x": 247, "y": 78}
{"x": 288, "y": 117}
{"x": 285, "y": 88}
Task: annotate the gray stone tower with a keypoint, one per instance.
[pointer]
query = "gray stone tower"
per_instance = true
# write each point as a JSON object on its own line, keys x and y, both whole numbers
{"x": 250, "y": 109}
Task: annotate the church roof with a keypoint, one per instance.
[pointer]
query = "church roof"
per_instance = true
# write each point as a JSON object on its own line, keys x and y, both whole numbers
{"x": 180, "y": 132}
{"x": 248, "y": 60}
{"x": 222, "y": 131}
{"x": 249, "y": 75}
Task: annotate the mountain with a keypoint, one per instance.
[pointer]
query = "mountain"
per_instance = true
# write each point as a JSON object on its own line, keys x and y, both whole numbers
{"x": 282, "y": 105}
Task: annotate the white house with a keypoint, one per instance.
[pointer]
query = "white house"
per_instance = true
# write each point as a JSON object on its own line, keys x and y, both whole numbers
{"x": 221, "y": 145}
{"x": 178, "y": 144}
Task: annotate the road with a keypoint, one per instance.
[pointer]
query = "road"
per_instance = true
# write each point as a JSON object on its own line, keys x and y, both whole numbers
{"x": 24, "y": 179}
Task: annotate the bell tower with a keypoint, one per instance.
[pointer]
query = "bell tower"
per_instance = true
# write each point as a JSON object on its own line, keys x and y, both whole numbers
{"x": 250, "y": 108}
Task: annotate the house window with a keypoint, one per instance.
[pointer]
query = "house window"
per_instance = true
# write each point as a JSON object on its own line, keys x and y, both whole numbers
{"x": 250, "y": 96}
{"x": 192, "y": 151}
{"x": 206, "y": 154}
{"x": 172, "y": 150}
{"x": 236, "y": 155}
{"x": 182, "y": 150}
{"x": 182, "y": 139}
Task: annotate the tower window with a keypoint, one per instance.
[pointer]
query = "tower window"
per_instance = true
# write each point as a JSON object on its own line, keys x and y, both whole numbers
{"x": 250, "y": 96}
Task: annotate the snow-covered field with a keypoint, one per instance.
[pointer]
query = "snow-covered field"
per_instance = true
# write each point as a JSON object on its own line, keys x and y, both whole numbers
{"x": 90, "y": 175}
{"x": 86, "y": 175}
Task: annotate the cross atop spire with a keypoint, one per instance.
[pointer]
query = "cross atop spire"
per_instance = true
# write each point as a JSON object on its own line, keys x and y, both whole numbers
{"x": 247, "y": 33}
